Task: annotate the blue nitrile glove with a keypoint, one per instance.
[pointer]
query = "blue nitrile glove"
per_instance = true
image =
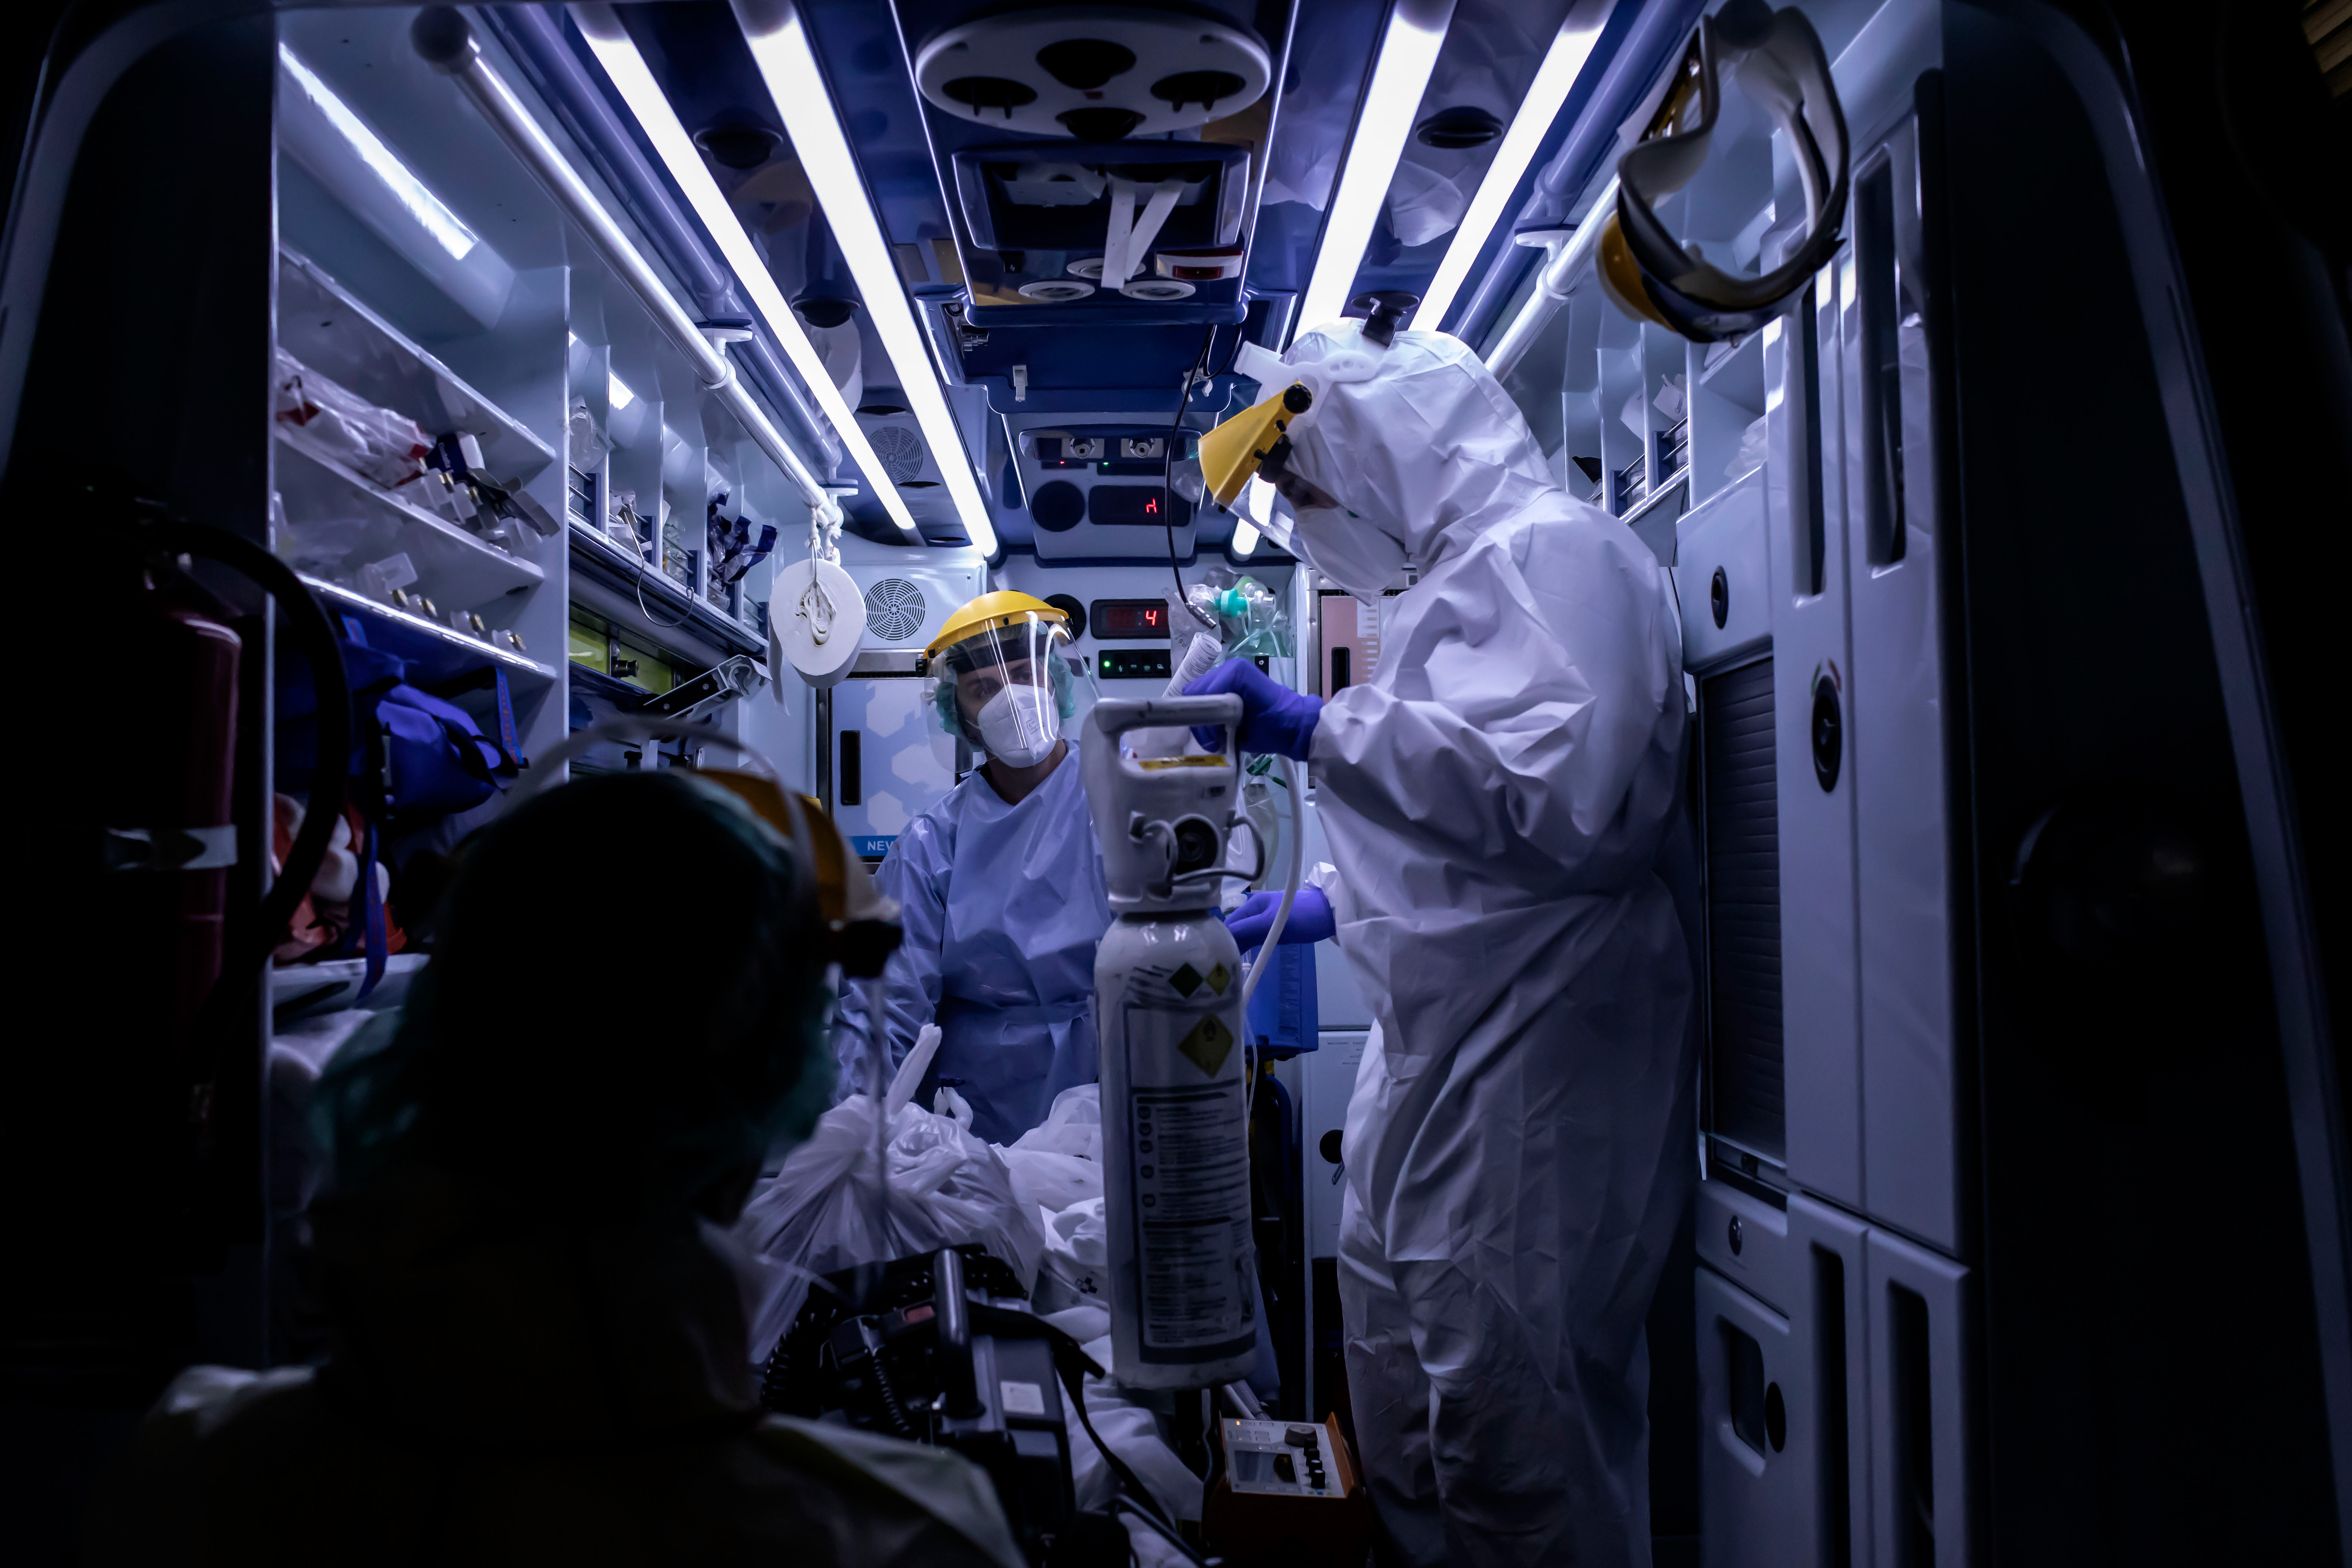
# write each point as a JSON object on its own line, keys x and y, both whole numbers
{"x": 1275, "y": 721}
{"x": 1310, "y": 920}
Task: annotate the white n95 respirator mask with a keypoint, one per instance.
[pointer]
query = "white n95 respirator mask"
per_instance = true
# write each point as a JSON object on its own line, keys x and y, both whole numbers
{"x": 1019, "y": 725}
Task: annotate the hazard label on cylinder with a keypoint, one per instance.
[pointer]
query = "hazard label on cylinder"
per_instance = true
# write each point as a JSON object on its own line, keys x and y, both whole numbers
{"x": 1191, "y": 1158}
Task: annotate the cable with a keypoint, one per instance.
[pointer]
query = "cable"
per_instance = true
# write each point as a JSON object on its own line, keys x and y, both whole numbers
{"x": 1074, "y": 1384}
{"x": 1293, "y": 832}
{"x": 649, "y": 614}
{"x": 893, "y": 1409}
{"x": 1167, "y": 466}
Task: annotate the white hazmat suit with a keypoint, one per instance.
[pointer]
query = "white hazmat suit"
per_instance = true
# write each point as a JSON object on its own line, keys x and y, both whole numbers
{"x": 1520, "y": 1144}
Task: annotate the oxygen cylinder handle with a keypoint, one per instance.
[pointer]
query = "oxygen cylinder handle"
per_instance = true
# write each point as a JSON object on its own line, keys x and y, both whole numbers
{"x": 959, "y": 1395}
{"x": 1116, "y": 716}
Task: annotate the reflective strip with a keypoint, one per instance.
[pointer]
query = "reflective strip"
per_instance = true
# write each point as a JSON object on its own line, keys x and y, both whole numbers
{"x": 169, "y": 848}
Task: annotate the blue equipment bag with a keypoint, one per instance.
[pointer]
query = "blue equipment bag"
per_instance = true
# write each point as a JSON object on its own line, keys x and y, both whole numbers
{"x": 415, "y": 758}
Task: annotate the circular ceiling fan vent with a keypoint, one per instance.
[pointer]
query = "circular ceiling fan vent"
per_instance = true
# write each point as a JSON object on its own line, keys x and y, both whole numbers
{"x": 901, "y": 449}
{"x": 1100, "y": 72}
{"x": 894, "y": 610}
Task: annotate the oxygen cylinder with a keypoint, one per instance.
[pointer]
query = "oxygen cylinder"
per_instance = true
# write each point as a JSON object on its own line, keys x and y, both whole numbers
{"x": 1176, "y": 1176}
{"x": 1168, "y": 1011}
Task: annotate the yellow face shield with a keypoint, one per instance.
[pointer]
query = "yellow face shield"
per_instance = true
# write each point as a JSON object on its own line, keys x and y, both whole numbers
{"x": 1252, "y": 443}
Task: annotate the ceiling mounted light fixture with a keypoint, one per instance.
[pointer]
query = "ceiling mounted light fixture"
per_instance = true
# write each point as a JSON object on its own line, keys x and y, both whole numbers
{"x": 635, "y": 81}
{"x": 1409, "y": 49}
{"x": 430, "y": 212}
{"x": 1571, "y": 49}
{"x": 779, "y": 47}
{"x": 1099, "y": 73}
{"x": 1458, "y": 130}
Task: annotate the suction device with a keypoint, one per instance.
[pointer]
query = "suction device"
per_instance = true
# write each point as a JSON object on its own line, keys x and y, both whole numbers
{"x": 1168, "y": 1005}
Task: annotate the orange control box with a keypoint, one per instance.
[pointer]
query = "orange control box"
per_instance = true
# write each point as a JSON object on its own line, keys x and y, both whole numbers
{"x": 1289, "y": 1494}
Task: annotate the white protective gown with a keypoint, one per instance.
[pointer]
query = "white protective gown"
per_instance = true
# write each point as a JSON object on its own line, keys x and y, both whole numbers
{"x": 1521, "y": 1140}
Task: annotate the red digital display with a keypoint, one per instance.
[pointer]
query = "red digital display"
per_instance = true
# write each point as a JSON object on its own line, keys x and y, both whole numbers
{"x": 1146, "y": 504}
{"x": 1113, "y": 620}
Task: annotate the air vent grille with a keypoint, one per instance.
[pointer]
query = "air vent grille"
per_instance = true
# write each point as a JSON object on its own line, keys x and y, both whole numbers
{"x": 894, "y": 610}
{"x": 1740, "y": 814}
{"x": 901, "y": 449}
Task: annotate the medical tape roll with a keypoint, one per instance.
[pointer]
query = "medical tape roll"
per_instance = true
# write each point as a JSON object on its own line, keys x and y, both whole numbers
{"x": 816, "y": 618}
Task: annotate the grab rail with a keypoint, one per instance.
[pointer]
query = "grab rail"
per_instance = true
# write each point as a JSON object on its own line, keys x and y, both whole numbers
{"x": 1554, "y": 283}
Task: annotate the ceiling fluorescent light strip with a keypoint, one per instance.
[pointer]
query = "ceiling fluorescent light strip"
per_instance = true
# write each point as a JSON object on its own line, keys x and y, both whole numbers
{"x": 1409, "y": 52}
{"x": 436, "y": 219}
{"x": 780, "y": 46}
{"x": 628, "y": 70}
{"x": 1571, "y": 47}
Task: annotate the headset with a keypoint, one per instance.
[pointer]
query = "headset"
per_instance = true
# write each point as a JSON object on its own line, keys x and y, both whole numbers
{"x": 861, "y": 926}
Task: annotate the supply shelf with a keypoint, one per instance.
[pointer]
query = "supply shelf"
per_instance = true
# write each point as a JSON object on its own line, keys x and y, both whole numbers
{"x": 338, "y": 521}
{"x": 599, "y": 560}
{"x": 438, "y": 652}
{"x": 321, "y": 323}
{"x": 590, "y": 682}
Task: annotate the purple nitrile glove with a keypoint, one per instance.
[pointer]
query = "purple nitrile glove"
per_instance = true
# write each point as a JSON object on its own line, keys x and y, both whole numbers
{"x": 1275, "y": 721}
{"x": 1311, "y": 920}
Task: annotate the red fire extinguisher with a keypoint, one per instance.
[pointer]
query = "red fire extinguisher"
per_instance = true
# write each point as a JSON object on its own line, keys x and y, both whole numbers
{"x": 169, "y": 847}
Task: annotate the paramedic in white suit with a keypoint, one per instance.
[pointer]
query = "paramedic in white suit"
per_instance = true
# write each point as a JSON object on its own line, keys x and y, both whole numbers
{"x": 1520, "y": 1144}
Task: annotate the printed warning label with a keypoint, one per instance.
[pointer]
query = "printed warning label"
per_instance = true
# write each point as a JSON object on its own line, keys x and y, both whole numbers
{"x": 1208, "y": 1045}
{"x": 1190, "y": 1153}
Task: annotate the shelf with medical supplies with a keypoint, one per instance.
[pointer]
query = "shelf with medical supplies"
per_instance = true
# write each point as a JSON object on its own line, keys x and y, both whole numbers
{"x": 602, "y": 661}
{"x": 1650, "y": 424}
{"x": 337, "y": 521}
{"x": 659, "y": 602}
{"x": 435, "y": 651}
{"x": 323, "y": 325}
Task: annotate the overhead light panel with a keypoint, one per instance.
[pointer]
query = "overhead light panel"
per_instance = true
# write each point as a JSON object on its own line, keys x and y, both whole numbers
{"x": 635, "y": 81}
{"x": 618, "y": 391}
{"x": 438, "y": 220}
{"x": 780, "y": 46}
{"x": 1408, "y": 53}
{"x": 1571, "y": 48}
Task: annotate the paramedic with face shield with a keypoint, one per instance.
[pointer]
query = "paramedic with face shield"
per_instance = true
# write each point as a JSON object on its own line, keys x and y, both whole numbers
{"x": 1000, "y": 884}
{"x": 1518, "y": 1146}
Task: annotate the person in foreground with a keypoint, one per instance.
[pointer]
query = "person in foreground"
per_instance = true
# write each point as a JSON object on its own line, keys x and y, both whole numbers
{"x": 1518, "y": 1147}
{"x": 539, "y": 1323}
{"x": 1000, "y": 885}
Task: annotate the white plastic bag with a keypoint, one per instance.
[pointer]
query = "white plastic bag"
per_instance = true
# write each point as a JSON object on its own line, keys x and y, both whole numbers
{"x": 1051, "y": 1182}
{"x": 337, "y": 422}
{"x": 1058, "y": 1162}
{"x": 1074, "y": 1125}
{"x": 819, "y": 1213}
{"x": 952, "y": 1106}
{"x": 1076, "y": 1267}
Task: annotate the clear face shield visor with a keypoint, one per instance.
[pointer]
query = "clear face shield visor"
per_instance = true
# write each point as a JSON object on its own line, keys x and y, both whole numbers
{"x": 1007, "y": 688}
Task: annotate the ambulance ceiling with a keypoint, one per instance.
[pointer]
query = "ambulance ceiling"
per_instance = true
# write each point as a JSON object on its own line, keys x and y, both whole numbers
{"x": 1216, "y": 133}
